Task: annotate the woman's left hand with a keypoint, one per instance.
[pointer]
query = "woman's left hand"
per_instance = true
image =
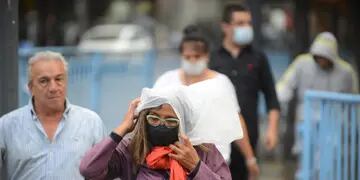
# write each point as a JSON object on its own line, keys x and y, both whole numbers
{"x": 253, "y": 170}
{"x": 185, "y": 153}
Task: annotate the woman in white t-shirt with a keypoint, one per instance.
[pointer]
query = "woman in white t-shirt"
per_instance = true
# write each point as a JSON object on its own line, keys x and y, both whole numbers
{"x": 194, "y": 49}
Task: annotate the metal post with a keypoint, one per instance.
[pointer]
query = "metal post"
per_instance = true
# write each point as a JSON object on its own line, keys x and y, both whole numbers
{"x": 306, "y": 155}
{"x": 255, "y": 8}
{"x": 8, "y": 55}
{"x": 301, "y": 26}
{"x": 148, "y": 67}
{"x": 355, "y": 43}
{"x": 95, "y": 90}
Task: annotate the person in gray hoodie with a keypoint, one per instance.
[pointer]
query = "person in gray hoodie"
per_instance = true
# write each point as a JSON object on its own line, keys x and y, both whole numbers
{"x": 320, "y": 69}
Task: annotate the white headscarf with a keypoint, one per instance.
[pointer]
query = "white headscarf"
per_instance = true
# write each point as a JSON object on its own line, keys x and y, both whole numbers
{"x": 205, "y": 116}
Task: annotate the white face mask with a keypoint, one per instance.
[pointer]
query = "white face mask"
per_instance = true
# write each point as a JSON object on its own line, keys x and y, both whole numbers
{"x": 194, "y": 69}
{"x": 243, "y": 35}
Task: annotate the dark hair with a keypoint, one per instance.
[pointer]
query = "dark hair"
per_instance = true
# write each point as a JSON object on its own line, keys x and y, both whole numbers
{"x": 230, "y": 9}
{"x": 193, "y": 33}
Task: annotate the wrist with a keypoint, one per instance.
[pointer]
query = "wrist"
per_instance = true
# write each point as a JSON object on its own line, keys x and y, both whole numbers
{"x": 195, "y": 169}
{"x": 272, "y": 130}
{"x": 115, "y": 137}
{"x": 273, "y": 127}
{"x": 251, "y": 161}
{"x": 121, "y": 131}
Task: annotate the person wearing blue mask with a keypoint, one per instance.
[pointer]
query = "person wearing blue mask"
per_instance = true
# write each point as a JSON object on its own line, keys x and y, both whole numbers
{"x": 249, "y": 71}
{"x": 195, "y": 50}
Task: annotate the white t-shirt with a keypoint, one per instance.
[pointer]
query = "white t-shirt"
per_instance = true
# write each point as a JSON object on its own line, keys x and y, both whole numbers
{"x": 172, "y": 78}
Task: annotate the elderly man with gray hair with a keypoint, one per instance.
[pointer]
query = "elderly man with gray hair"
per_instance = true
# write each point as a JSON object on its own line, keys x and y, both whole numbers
{"x": 47, "y": 138}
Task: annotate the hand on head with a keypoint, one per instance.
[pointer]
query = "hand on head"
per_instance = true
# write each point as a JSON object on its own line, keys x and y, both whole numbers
{"x": 129, "y": 120}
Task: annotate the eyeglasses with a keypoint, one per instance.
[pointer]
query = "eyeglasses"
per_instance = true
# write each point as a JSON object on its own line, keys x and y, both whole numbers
{"x": 154, "y": 120}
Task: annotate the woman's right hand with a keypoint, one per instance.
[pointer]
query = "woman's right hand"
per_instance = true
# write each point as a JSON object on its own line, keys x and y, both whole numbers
{"x": 129, "y": 120}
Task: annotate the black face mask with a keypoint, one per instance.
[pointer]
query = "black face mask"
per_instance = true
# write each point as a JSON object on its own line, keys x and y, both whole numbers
{"x": 162, "y": 135}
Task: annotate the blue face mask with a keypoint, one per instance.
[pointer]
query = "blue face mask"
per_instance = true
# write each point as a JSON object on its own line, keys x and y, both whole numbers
{"x": 243, "y": 35}
{"x": 194, "y": 69}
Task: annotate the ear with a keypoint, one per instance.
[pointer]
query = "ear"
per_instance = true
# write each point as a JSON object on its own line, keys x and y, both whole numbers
{"x": 223, "y": 26}
{"x": 30, "y": 86}
{"x": 227, "y": 30}
{"x": 207, "y": 58}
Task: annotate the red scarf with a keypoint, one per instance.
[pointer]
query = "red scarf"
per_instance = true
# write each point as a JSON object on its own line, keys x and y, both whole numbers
{"x": 158, "y": 159}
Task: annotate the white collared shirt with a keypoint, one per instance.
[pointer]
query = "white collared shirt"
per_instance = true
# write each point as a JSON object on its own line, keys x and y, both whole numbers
{"x": 26, "y": 153}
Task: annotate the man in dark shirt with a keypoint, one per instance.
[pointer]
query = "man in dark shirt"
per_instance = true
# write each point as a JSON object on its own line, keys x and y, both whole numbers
{"x": 250, "y": 73}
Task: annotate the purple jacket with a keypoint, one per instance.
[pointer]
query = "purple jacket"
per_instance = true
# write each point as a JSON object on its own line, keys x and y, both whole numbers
{"x": 107, "y": 160}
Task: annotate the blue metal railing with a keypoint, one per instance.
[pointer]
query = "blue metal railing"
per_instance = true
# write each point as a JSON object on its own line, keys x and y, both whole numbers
{"x": 104, "y": 83}
{"x": 331, "y": 136}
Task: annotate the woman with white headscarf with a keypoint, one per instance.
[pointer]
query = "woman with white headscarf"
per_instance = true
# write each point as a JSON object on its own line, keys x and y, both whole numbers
{"x": 166, "y": 135}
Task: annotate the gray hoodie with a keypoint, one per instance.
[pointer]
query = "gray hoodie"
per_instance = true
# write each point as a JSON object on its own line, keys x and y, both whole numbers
{"x": 305, "y": 74}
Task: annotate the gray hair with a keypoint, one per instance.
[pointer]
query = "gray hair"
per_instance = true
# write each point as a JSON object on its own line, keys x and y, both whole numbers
{"x": 46, "y": 56}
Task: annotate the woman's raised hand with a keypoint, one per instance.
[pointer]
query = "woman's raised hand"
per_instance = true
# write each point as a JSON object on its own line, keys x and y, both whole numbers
{"x": 129, "y": 120}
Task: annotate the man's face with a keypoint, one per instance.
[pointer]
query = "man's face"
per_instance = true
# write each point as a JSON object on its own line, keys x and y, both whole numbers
{"x": 48, "y": 84}
{"x": 239, "y": 19}
{"x": 323, "y": 63}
